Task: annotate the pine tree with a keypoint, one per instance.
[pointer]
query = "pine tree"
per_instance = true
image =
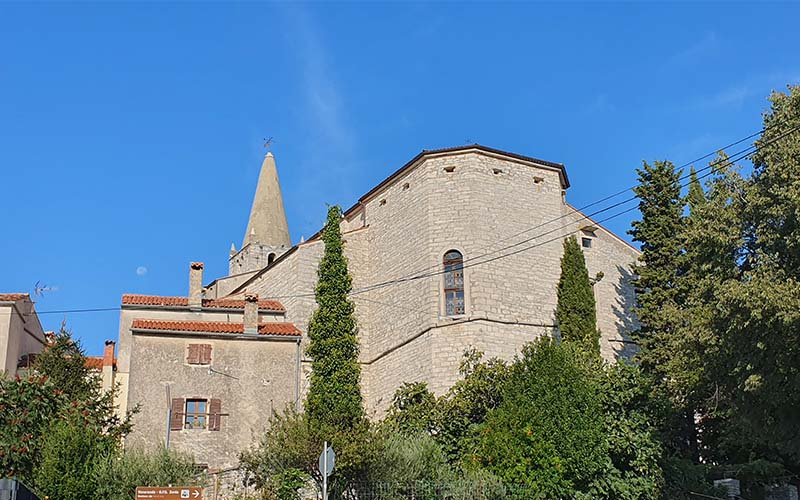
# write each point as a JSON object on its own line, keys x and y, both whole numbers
{"x": 575, "y": 312}
{"x": 657, "y": 288}
{"x": 334, "y": 398}
{"x": 696, "y": 196}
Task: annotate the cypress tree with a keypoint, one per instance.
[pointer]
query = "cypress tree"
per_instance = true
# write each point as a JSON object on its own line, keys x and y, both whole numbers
{"x": 334, "y": 397}
{"x": 657, "y": 283}
{"x": 575, "y": 312}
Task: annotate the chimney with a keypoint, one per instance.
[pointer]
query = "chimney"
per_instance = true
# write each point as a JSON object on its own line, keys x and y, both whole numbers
{"x": 108, "y": 354}
{"x": 108, "y": 366}
{"x": 251, "y": 313}
{"x": 196, "y": 285}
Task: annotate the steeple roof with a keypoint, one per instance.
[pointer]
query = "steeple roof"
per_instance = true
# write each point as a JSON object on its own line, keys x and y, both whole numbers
{"x": 267, "y": 224}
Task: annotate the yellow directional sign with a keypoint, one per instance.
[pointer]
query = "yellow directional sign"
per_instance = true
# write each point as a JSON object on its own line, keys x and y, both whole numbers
{"x": 168, "y": 493}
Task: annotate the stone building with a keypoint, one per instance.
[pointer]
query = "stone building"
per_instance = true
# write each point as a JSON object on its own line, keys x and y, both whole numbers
{"x": 21, "y": 333}
{"x": 458, "y": 248}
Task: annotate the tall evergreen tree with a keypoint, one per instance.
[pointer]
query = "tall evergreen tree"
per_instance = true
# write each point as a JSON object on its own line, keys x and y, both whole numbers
{"x": 696, "y": 195}
{"x": 656, "y": 285}
{"x": 576, "y": 312}
{"x": 334, "y": 397}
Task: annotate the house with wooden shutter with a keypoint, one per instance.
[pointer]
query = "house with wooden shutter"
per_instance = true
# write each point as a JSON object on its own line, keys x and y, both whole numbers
{"x": 205, "y": 373}
{"x": 459, "y": 248}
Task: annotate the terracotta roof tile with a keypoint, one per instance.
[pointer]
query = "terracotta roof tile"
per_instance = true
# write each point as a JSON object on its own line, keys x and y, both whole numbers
{"x": 159, "y": 300}
{"x": 13, "y": 297}
{"x": 96, "y": 362}
{"x": 214, "y": 327}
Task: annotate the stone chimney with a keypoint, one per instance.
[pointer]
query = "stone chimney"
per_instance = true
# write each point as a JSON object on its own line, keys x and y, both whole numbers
{"x": 251, "y": 313}
{"x": 108, "y": 366}
{"x": 196, "y": 285}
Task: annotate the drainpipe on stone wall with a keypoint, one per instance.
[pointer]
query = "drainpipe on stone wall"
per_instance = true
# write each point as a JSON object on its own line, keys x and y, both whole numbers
{"x": 251, "y": 313}
{"x": 196, "y": 285}
{"x": 297, "y": 378}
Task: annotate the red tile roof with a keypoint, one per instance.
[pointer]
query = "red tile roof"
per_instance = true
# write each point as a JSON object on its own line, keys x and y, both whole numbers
{"x": 13, "y": 297}
{"x": 96, "y": 362}
{"x": 158, "y": 300}
{"x": 214, "y": 327}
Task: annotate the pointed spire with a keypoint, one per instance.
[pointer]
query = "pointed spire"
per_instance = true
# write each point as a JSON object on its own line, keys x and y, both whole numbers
{"x": 267, "y": 224}
{"x": 233, "y": 249}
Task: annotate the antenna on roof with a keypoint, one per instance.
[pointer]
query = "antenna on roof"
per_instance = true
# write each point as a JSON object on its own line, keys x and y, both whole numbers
{"x": 40, "y": 289}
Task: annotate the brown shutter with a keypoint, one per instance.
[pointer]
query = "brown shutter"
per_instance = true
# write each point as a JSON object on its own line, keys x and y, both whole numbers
{"x": 215, "y": 409}
{"x": 205, "y": 356}
{"x": 176, "y": 415}
{"x": 193, "y": 357}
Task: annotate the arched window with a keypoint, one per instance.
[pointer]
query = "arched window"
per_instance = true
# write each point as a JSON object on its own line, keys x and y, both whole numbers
{"x": 270, "y": 258}
{"x": 453, "y": 283}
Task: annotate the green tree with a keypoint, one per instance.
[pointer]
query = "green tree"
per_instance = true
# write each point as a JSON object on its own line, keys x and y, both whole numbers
{"x": 657, "y": 289}
{"x": 334, "y": 397}
{"x": 576, "y": 312}
{"x": 413, "y": 410}
{"x": 27, "y": 407}
{"x": 696, "y": 196}
{"x": 64, "y": 362}
{"x": 118, "y": 474}
{"x": 467, "y": 403}
{"x": 549, "y": 432}
{"x": 71, "y": 451}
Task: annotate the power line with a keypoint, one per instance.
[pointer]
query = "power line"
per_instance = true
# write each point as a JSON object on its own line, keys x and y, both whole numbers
{"x": 712, "y": 168}
{"x": 607, "y": 198}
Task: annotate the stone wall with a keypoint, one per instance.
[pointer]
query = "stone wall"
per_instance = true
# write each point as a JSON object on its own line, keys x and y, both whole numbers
{"x": 251, "y": 377}
{"x": 477, "y": 203}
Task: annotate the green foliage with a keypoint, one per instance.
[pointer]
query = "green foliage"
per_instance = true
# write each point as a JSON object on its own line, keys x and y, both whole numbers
{"x": 291, "y": 443}
{"x": 334, "y": 398}
{"x": 632, "y": 422}
{"x": 696, "y": 197}
{"x": 467, "y": 403}
{"x": 575, "y": 312}
{"x": 548, "y": 433}
{"x": 27, "y": 407}
{"x": 71, "y": 451}
{"x": 117, "y": 476}
{"x": 413, "y": 409}
{"x": 64, "y": 362}
{"x": 657, "y": 283}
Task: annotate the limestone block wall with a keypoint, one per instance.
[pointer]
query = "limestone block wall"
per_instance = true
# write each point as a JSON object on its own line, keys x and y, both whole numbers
{"x": 476, "y": 203}
{"x": 251, "y": 377}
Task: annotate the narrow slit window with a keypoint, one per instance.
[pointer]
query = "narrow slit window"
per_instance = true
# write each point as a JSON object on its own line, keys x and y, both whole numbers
{"x": 454, "y": 283}
{"x": 586, "y": 242}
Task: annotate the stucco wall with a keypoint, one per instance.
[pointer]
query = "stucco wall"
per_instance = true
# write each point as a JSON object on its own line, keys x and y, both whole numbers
{"x": 251, "y": 377}
{"x": 20, "y": 333}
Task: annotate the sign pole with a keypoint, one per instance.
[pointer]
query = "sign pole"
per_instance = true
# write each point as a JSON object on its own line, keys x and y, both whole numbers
{"x": 325, "y": 471}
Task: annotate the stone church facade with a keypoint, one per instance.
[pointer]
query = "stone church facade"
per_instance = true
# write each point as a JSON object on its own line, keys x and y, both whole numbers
{"x": 459, "y": 248}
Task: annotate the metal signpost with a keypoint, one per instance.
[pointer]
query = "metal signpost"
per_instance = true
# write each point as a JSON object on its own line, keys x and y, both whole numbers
{"x": 168, "y": 493}
{"x": 326, "y": 462}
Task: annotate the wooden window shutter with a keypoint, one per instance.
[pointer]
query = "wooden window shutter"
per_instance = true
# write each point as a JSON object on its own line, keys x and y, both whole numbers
{"x": 214, "y": 410}
{"x": 193, "y": 356}
{"x": 176, "y": 414}
{"x": 205, "y": 354}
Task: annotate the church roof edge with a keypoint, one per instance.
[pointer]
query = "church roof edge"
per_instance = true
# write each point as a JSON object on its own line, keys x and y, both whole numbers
{"x": 458, "y": 149}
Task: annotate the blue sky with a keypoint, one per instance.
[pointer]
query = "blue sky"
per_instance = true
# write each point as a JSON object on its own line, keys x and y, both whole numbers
{"x": 131, "y": 134}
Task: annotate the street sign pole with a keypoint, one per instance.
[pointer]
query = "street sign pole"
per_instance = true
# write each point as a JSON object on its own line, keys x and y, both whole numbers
{"x": 325, "y": 471}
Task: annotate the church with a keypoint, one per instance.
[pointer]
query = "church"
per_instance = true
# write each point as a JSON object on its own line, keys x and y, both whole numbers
{"x": 459, "y": 248}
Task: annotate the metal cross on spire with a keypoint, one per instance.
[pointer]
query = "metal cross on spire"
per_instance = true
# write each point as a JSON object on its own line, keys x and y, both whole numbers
{"x": 268, "y": 143}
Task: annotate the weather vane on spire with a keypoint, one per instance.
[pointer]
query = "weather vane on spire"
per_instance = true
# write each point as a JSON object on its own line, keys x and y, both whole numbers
{"x": 268, "y": 143}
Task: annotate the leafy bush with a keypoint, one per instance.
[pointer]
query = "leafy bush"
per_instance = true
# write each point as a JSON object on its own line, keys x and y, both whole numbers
{"x": 117, "y": 475}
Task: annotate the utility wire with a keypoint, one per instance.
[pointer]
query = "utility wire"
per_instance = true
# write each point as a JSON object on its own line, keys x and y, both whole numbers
{"x": 712, "y": 169}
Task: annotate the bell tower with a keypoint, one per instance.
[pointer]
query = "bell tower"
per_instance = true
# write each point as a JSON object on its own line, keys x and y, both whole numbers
{"x": 267, "y": 234}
